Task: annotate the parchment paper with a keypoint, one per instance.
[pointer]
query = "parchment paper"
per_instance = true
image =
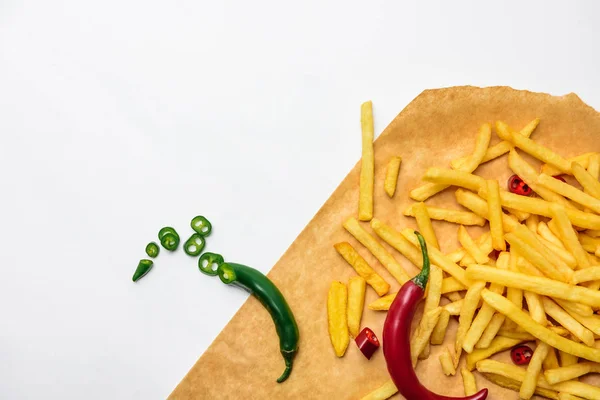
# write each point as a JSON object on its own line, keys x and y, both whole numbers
{"x": 244, "y": 360}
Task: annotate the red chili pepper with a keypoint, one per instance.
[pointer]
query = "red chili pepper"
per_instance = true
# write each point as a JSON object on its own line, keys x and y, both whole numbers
{"x": 517, "y": 186}
{"x": 560, "y": 178}
{"x": 396, "y": 338}
{"x": 367, "y": 342}
{"x": 521, "y": 355}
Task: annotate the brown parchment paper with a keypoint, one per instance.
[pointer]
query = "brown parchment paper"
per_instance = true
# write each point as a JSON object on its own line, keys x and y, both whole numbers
{"x": 244, "y": 360}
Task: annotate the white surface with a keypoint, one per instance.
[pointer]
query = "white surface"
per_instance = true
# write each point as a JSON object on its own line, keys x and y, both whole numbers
{"x": 120, "y": 117}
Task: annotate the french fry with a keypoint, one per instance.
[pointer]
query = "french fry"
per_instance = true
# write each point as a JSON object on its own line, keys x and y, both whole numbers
{"x": 567, "y": 396}
{"x": 447, "y": 365}
{"x": 469, "y": 245}
{"x": 540, "y": 152}
{"x": 560, "y": 252}
{"x": 383, "y": 303}
{"x": 536, "y": 308}
{"x": 490, "y": 331}
{"x": 547, "y": 234}
{"x": 439, "y": 332}
{"x": 468, "y": 382}
{"x": 365, "y": 203}
{"x": 362, "y": 268}
{"x": 434, "y": 293}
{"x": 585, "y": 275}
{"x": 454, "y": 307}
{"x": 568, "y": 236}
{"x": 495, "y": 215}
{"x": 504, "y": 306}
{"x": 467, "y": 312}
{"x": 423, "y": 333}
{"x": 589, "y": 243}
{"x": 479, "y": 206}
{"x": 450, "y": 177}
{"x": 536, "y": 284}
{"x": 533, "y": 222}
{"x": 484, "y": 242}
{"x": 582, "y": 159}
{"x": 456, "y": 255}
{"x": 551, "y": 360}
{"x": 533, "y": 371}
{"x": 424, "y": 224}
{"x": 520, "y": 215}
{"x": 337, "y": 303}
{"x": 391, "y": 175}
{"x": 592, "y": 322}
{"x": 454, "y": 216}
{"x": 384, "y": 392}
{"x": 562, "y": 374}
{"x": 451, "y": 285}
{"x": 497, "y": 345}
{"x": 481, "y": 144}
{"x": 523, "y": 336}
{"x": 398, "y": 242}
{"x": 567, "y": 321}
{"x": 570, "y": 192}
{"x": 356, "y": 302}
{"x": 590, "y": 184}
{"x": 580, "y": 309}
{"x": 593, "y": 233}
{"x": 385, "y": 258}
{"x": 455, "y": 296}
{"x": 593, "y": 167}
{"x": 534, "y": 257}
{"x": 514, "y": 295}
{"x": 567, "y": 359}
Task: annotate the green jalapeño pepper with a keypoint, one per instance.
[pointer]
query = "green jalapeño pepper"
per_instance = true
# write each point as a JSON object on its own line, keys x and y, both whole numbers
{"x": 142, "y": 269}
{"x": 169, "y": 238}
{"x": 271, "y": 298}
{"x": 152, "y": 249}
{"x": 201, "y": 225}
{"x": 208, "y": 263}
{"x": 194, "y": 245}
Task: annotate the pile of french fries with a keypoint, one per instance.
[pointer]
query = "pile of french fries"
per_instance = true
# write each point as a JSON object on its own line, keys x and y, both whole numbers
{"x": 542, "y": 288}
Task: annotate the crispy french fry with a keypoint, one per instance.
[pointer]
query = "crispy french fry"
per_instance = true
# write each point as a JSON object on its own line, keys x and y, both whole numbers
{"x": 434, "y": 293}
{"x": 356, "y": 302}
{"x": 391, "y": 175}
{"x": 523, "y": 336}
{"x": 385, "y": 258}
{"x": 547, "y": 234}
{"x": 384, "y": 392}
{"x": 383, "y": 303}
{"x": 561, "y": 374}
{"x": 504, "y": 306}
{"x": 481, "y": 144}
{"x": 567, "y": 321}
{"x": 567, "y": 396}
{"x": 520, "y": 215}
{"x": 423, "y": 333}
{"x": 551, "y": 360}
{"x": 362, "y": 268}
{"x": 456, "y": 255}
{"x": 455, "y": 297}
{"x": 568, "y": 236}
{"x": 468, "y": 382}
{"x": 337, "y": 303}
{"x": 490, "y": 331}
{"x": 515, "y": 385}
{"x": 592, "y": 322}
{"x": 567, "y": 359}
{"x": 560, "y": 252}
{"x": 582, "y": 159}
{"x": 447, "y": 365}
{"x": 451, "y": 285}
{"x": 536, "y": 308}
{"x": 514, "y": 295}
{"x": 585, "y": 275}
{"x": 479, "y": 206}
{"x": 424, "y": 224}
{"x": 534, "y": 257}
{"x": 540, "y": 152}
{"x": 539, "y": 285}
{"x": 365, "y": 203}
{"x": 439, "y": 332}
{"x": 454, "y": 216}
{"x": 397, "y": 241}
{"x": 593, "y": 166}
{"x": 593, "y": 233}
{"x": 469, "y": 245}
{"x": 484, "y": 242}
{"x": 580, "y": 309}
{"x": 497, "y": 345}
{"x": 533, "y": 222}
{"x": 533, "y": 371}
{"x": 495, "y": 218}
{"x": 570, "y": 192}
{"x": 454, "y": 307}
{"x": 467, "y": 312}
{"x": 451, "y": 177}
{"x": 590, "y": 184}
{"x": 589, "y": 243}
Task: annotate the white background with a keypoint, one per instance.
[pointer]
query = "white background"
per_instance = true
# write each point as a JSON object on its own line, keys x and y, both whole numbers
{"x": 119, "y": 117}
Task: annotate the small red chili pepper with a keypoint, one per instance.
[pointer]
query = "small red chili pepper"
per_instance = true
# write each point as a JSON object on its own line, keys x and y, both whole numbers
{"x": 517, "y": 186}
{"x": 560, "y": 178}
{"x": 521, "y": 355}
{"x": 367, "y": 342}
{"x": 396, "y": 338}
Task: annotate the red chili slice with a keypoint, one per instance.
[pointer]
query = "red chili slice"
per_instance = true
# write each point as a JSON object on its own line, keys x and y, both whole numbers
{"x": 367, "y": 342}
{"x": 521, "y": 355}
{"x": 517, "y": 186}
{"x": 560, "y": 178}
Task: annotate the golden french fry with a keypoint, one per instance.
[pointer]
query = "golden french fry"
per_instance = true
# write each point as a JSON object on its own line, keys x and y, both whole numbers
{"x": 451, "y": 285}
{"x": 484, "y": 242}
{"x": 468, "y": 382}
{"x": 561, "y": 374}
{"x": 585, "y": 275}
{"x": 481, "y": 144}
{"x": 536, "y": 308}
{"x": 337, "y": 304}
{"x": 515, "y": 385}
{"x": 490, "y": 331}
{"x": 469, "y": 245}
{"x": 520, "y": 215}
{"x": 456, "y": 255}
{"x": 567, "y": 321}
{"x": 536, "y": 284}
{"x": 568, "y": 236}
{"x": 362, "y": 268}
{"x": 523, "y": 336}
{"x": 567, "y": 359}
{"x": 592, "y": 322}
{"x": 383, "y": 303}
{"x": 560, "y": 252}
{"x": 391, "y": 175}
{"x": 507, "y": 308}
{"x": 384, "y": 392}
{"x": 467, "y": 312}
{"x": 455, "y": 297}
{"x": 479, "y": 206}
{"x": 533, "y": 371}
{"x": 439, "y": 332}
{"x": 450, "y": 177}
{"x": 590, "y": 184}
{"x": 540, "y": 152}
{"x": 365, "y": 203}
{"x": 547, "y": 234}
{"x": 454, "y": 216}
{"x": 580, "y": 309}
{"x": 385, "y": 258}
{"x": 356, "y": 302}
{"x": 423, "y": 333}
{"x": 495, "y": 218}
{"x": 534, "y": 257}
{"x": 582, "y": 159}
{"x": 533, "y": 222}
{"x": 595, "y": 233}
{"x": 570, "y": 192}
{"x": 589, "y": 243}
{"x": 424, "y": 224}
{"x": 567, "y": 396}
{"x": 551, "y": 361}
{"x": 514, "y": 295}
{"x": 397, "y": 241}
{"x": 593, "y": 166}
{"x": 447, "y": 365}
{"x": 454, "y": 307}
{"x": 497, "y": 345}
{"x": 434, "y": 293}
